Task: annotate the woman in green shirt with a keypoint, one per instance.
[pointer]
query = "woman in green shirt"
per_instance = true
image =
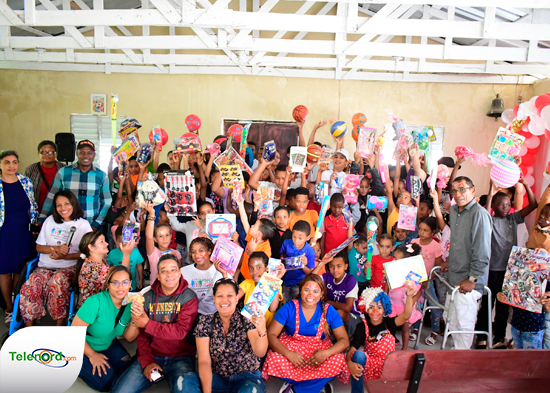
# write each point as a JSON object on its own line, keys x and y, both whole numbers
{"x": 106, "y": 319}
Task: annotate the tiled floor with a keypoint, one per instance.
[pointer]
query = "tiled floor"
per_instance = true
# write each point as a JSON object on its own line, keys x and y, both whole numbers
{"x": 273, "y": 385}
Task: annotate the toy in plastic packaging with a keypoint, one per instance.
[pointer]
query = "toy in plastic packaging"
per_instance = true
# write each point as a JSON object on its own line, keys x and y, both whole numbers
{"x": 270, "y": 151}
{"x": 398, "y": 271}
{"x": 412, "y": 279}
{"x": 217, "y": 225}
{"x": 243, "y": 142}
{"x": 377, "y": 202}
{"x": 180, "y": 190}
{"x": 128, "y": 126}
{"x": 325, "y": 205}
{"x": 422, "y": 139}
{"x": 126, "y": 149}
{"x": 524, "y": 279}
{"x": 346, "y": 212}
{"x": 407, "y": 217}
{"x": 349, "y": 188}
{"x": 366, "y": 141}
{"x": 237, "y": 194}
{"x": 188, "y": 143}
{"x": 130, "y": 231}
{"x": 213, "y": 148}
{"x": 326, "y": 155}
{"x": 228, "y": 253}
{"x": 263, "y": 294}
{"x": 158, "y": 137}
{"x": 273, "y": 266}
{"x": 145, "y": 153}
{"x": 230, "y": 174}
{"x": 321, "y": 191}
{"x": 336, "y": 250}
{"x": 402, "y": 145}
{"x": 298, "y": 156}
{"x": 150, "y": 191}
{"x": 506, "y": 146}
{"x": 293, "y": 263}
{"x": 263, "y": 196}
{"x": 397, "y": 124}
{"x": 231, "y": 157}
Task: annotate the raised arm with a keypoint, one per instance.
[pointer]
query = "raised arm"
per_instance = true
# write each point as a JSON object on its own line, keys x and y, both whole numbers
{"x": 254, "y": 181}
{"x": 150, "y": 228}
{"x": 532, "y": 200}
{"x": 437, "y": 210}
{"x": 409, "y": 304}
{"x": 311, "y": 139}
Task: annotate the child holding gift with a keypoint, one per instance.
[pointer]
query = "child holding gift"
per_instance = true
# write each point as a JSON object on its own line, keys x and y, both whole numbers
{"x": 281, "y": 217}
{"x": 337, "y": 230}
{"x": 358, "y": 264}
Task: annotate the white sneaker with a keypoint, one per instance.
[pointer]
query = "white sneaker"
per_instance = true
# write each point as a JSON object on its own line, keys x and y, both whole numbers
{"x": 286, "y": 388}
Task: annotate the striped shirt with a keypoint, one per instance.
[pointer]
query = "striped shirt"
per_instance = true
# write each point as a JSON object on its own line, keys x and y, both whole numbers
{"x": 91, "y": 188}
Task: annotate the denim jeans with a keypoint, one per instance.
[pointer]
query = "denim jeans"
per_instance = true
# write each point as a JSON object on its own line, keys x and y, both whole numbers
{"x": 118, "y": 359}
{"x": 360, "y": 358}
{"x": 546, "y": 344}
{"x": 527, "y": 340}
{"x": 249, "y": 382}
{"x": 436, "y": 312}
{"x": 178, "y": 372}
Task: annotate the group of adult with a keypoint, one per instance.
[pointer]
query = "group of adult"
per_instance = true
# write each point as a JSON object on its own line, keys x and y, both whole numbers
{"x": 26, "y": 201}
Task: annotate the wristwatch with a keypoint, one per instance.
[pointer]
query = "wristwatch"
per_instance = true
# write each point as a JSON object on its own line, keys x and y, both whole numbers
{"x": 472, "y": 279}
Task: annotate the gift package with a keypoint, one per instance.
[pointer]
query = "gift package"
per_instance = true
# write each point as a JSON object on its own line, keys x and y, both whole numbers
{"x": 181, "y": 194}
{"x": 259, "y": 301}
{"x": 228, "y": 253}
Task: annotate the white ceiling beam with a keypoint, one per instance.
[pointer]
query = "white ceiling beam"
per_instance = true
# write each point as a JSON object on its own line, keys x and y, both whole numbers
{"x": 448, "y": 39}
{"x": 167, "y": 10}
{"x": 217, "y": 9}
{"x": 466, "y": 3}
{"x": 489, "y": 21}
{"x": 37, "y": 32}
{"x": 9, "y": 15}
{"x": 69, "y": 29}
{"x": 30, "y": 9}
{"x": 268, "y": 6}
{"x": 424, "y": 39}
{"x": 99, "y": 31}
{"x": 5, "y": 32}
{"x": 340, "y": 40}
{"x": 365, "y": 76}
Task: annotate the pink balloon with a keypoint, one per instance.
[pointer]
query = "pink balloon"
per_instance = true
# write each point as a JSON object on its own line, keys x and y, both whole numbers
{"x": 530, "y": 180}
{"x": 536, "y": 125}
{"x": 523, "y": 150}
{"x": 545, "y": 112}
{"x": 547, "y": 131}
{"x": 547, "y": 124}
{"x": 530, "y": 170}
{"x": 532, "y": 142}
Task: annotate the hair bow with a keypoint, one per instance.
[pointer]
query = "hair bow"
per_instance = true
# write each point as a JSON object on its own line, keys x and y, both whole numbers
{"x": 410, "y": 248}
{"x": 83, "y": 256}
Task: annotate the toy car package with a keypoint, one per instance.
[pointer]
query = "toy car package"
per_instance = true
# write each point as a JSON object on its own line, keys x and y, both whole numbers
{"x": 180, "y": 193}
{"x": 263, "y": 294}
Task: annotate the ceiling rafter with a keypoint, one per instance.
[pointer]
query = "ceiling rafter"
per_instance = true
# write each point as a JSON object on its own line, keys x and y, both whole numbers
{"x": 405, "y": 40}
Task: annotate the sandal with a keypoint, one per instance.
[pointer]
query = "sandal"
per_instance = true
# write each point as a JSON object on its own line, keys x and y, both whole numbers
{"x": 481, "y": 345}
{"x": 413, "y": 335}
{"x": 431, "y": 339}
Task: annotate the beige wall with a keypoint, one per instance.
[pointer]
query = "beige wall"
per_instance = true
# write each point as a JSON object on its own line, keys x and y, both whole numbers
{"x": 35, "y": 105}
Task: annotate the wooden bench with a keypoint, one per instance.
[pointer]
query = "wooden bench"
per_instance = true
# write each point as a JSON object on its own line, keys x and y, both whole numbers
{"x": 467, "y": 371}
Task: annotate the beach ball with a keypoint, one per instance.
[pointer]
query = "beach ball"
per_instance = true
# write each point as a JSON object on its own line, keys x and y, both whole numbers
{"x": 505, "y": 173}
{"x": 359, "y": 119}
{"x": 339, "y": 129}
{"x": 193, "y": 123}
{"x": 300, "y": 113}
{"x": 237, "y": 131}
{"x": 313, "y": 153}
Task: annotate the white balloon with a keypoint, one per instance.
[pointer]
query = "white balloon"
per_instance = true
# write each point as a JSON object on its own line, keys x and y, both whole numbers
{"x": 547, "y": 124}
{"x": 536, "y": 125}
{"x": 530, "y": 180}
{"x": 508, "y": 115}
{"x": 532, "y": 142}
{"x": 532, "y": 100}
{"x": 523, "y": 150}
{"x": 530, "y": 170}
{"x": 544, "y": 113}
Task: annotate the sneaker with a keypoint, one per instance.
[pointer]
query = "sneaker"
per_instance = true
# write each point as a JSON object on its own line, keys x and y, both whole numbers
{"x": 286, "y": 388}
{"x": 327, "y": 388}
{"x": 8, "y": 318}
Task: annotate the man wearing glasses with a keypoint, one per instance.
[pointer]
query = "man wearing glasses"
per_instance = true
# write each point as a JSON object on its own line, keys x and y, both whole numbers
{"x": 89, "y": 184}
{"x": 469, "y": 255}
{"x": 43, "y": 172}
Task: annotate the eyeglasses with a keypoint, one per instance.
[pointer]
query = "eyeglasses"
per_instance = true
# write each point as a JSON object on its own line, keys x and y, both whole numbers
{"x": 48, "y": 153}
{"x": 461, "y": 190}
{"x": 125, "y": 283}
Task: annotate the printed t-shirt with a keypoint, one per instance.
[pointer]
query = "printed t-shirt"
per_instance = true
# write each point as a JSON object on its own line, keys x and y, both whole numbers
{"x": 54, "y": 234}
{"x": 263, "y": 246}
{"x": 115, "y": 258}
{"x": 248, "y": 286}
{"x": 356, "y": 265}
{"x": 376, "y": 332}
{"x": 311, "y": 216}
{"x": 429, "y": 253}
{"x": 100, "y": 312}
{"x": 339, "y": 292}
{"x": 202, "y": 283}
{"x": 294, "y": 277}
{"x": 286, "y": 316}
{"x": 336, "y": 232}
{"x": 377, "y": 271}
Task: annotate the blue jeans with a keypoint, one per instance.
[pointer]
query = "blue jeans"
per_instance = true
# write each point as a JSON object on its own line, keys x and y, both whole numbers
{"x": 436, "y": 312}
{"x": 118, "y": 358}
{"x": 527, "y": 340}
{"x": 360, "y": 358}
{"x": 179, "y": 372}
{"x": 249, "y": 382}
{"x": 546, "y": 344}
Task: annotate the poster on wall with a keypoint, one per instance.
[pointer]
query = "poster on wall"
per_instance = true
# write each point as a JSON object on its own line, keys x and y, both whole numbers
{"x": 98, "y": 104}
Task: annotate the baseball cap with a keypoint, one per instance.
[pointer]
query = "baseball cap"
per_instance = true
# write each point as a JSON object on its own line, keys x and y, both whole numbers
{"x": 85, "y": 143}
{"x": 343, "y": 152}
